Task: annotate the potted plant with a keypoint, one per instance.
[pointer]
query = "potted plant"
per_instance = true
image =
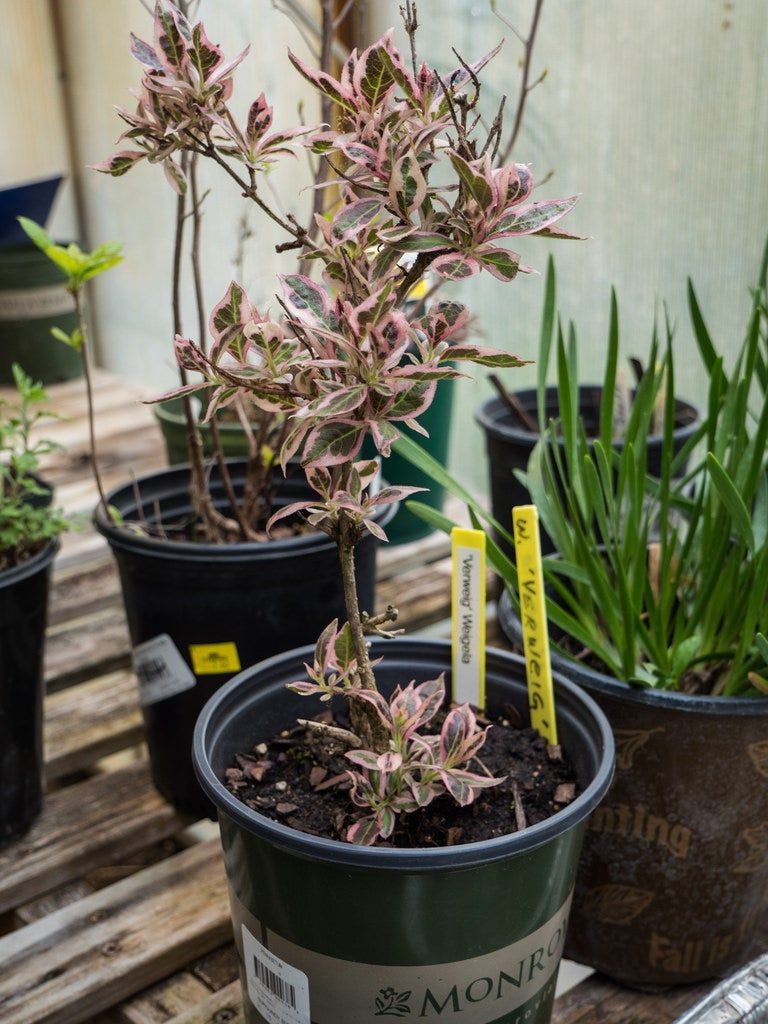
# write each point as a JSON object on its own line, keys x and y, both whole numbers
{"x": 657, "y": 593}
{"x": 297, "y": 839}
{"x": 511, "y": 420}
{"x": 206, "y": 591}
{"x": 33, "y": 294}
{"x": 29, "y": 528}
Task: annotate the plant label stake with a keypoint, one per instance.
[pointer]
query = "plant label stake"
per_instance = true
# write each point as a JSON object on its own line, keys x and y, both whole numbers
{"x": 533, "y": 615}
{"x": 468, "y": 618}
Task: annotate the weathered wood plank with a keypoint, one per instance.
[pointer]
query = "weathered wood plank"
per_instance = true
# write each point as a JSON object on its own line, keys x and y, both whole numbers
{"x": 94, "y": 954}
{"x": 97, "y": 878}
{"x": 599, "y": 1001}
{"x": 90, "y": 645}
{"x": 107, "y": 718}
{"x": 224, "y": 1006}
{"x": 175, "y": 995}
{"x": 82, "y": 827}
{"x": 165, "y": 1001}
{"x": 79, "y": 591}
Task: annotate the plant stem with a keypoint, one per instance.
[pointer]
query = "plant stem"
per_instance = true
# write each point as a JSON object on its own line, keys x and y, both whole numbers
{"x": 326, "y": 114}
{"x": 198, "y": 491}
{"x": 197, "y": 280}
{"x": 525, "y": 88}
{"x": 365, "y": 720}
{"x": 85, "y": 353}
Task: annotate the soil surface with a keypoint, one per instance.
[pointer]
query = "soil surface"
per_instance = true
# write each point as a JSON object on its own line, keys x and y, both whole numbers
{"x": 301, "y": 779}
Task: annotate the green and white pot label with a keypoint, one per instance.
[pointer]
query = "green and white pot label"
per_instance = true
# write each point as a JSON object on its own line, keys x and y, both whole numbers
{"x": 287, "y": 984}
{"x": 35, "y": 303}
{"x": 160, "y": 670}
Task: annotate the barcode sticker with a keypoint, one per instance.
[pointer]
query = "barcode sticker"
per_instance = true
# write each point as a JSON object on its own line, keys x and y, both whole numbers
{"x": 160, "y": 670}
{"x": 278, "y": 991}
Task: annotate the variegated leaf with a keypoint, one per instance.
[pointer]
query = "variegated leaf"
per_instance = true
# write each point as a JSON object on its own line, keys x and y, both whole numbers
{"x": 353, "y": 217}
{"x": 333, "y": 443}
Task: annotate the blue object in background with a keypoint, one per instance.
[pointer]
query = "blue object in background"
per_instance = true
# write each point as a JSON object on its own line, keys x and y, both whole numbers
{"x": 34, "y": 199}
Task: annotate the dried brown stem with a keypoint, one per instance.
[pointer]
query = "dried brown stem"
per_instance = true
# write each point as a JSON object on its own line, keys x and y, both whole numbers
{"x": 327, "y": 35}
{"x": 197, "y": 280}
{"x": 410, "y": 16}
{"x": 525, "y": 85}
{"x": 198, "y": 487}
{"x": 512, "y": 402}
{"x": 349, "y": 739}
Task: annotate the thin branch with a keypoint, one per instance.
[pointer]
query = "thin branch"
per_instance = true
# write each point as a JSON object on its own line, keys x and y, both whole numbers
{"x": 85, "y": 353}
{"x": 328, "y": 31}
{"x": 525, "y": 87}
{"x": 340, "y": 17}
{"x": 514, "y": 405}
{"x": 349, "y": 739}
{"x": 410, "y": 18}
{"x": 197, "y": 280}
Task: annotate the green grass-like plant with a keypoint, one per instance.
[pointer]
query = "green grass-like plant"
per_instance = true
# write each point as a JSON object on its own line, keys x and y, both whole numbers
{"x": 663, "y": 580}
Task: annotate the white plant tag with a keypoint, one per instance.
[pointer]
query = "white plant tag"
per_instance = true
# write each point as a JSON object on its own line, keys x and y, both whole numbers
{"x": 160, "y": 669}
{"x": 278, "y": 991}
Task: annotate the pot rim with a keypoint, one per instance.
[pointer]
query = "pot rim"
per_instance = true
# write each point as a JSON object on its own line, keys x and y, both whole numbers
{"x": 163, "y": 412}
{"x": 120, "y": 538}
{"x": 610, "y": 686}
{"x": 485, "y": 416}
{"x": 30, "y": 566}
{"x": 391, "y": 858}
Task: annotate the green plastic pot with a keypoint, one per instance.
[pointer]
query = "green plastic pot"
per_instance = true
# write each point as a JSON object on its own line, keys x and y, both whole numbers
{"x": 330, "y": 933}
{"x": 33, "y": 299}
{"x": 170, "y": 416}
{"x": 406, "y": 527}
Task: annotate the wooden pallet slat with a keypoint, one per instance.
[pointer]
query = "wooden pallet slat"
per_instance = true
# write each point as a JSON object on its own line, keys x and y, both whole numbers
{"x": 108, "y": 719}
{"x": 88, "y": 646}
{"x": 599, "y": 1001}
{"x": 91, "y": 955}
{"x": 81, "y": 827}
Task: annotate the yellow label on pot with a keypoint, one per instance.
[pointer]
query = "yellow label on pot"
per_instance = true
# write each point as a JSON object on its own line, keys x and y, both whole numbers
{"x": 533, "y": 615}
{"x": 214, "y": 659}
{"x": 468, "y": 617}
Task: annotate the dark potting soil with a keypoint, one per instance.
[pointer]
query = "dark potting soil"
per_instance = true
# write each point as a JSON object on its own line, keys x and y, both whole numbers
{"x": 301, "y": 779}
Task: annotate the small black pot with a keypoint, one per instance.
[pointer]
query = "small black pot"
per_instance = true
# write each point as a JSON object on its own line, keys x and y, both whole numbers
{"x": 464, "y": 933}
{"x": 672, "y": 883}
{"x": 23, "y": 607}
{"x": 509, "y": 445}
{"x": 199, "y": 613}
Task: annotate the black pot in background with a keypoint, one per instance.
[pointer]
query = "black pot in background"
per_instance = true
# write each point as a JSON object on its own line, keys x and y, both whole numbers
{"x": 469, "y": 932}
{"x": 673, "y": 878}
{"x": 23, "y": 607}
{"x": 509, "y": 444}
{"x": 199, "y": 613}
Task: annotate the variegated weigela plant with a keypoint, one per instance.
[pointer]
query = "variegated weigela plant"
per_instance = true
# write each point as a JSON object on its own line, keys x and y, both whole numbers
{"x": 418, "y": 191}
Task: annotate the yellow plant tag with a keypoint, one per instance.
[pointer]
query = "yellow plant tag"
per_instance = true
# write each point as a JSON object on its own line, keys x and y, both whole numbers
{"x": 214, "y": 659}
{"x": 468, "y": 617}
{"x": 533, "y": 614}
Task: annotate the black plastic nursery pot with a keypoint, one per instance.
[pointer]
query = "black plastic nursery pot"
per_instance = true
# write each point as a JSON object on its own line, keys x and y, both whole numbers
{"x": 23, "y": 607}
{"x": 673, "y": 880}
{"x": 198, "y": 613}
{"x": 33, "y": 299}
{"x": 509, "y": 444}
{"x": 330, "y": 933}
